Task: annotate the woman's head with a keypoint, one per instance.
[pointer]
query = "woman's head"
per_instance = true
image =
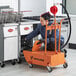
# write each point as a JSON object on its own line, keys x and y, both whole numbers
{"x": 45, "y": 17}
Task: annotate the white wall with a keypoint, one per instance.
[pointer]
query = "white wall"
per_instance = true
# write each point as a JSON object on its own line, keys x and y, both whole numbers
{"x": 39, "y": 6}
{"x": 49, "y": 3}
{"x": 71, "y": 6}
{"x": 36, "y": 6}
{"x": 11, "y": 3}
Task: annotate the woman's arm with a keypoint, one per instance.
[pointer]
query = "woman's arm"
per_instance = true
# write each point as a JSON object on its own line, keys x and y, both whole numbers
{"x": 33, "y": 33}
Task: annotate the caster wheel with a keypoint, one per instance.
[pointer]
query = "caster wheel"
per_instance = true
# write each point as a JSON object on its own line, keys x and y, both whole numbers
{"x": 30, "y": 66}
{"x": 65, "y": 55}
{"x": 13, "y": 62}
{"x": 19, "y": 61}
{"x": 2, "y": 64}
{"x": 49, "y": 69}
{"x": 65, "y": 65}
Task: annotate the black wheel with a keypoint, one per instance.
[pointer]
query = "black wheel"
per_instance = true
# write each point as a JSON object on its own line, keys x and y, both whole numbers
{"x": 65, "y": 65}
{"x": 19, "y": 60}
{"x": 49, "y": 69}
{"x": 2, "y": 64}
{"x": 30, "y": 66}
{"x": 13, "y": 62}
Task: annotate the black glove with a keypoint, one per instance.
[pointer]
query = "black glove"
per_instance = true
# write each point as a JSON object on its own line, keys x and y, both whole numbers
{"x": 27, "y": 43}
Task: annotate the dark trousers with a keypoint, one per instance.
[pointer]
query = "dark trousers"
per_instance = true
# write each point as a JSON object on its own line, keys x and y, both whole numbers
{"x": 51, "y": 45}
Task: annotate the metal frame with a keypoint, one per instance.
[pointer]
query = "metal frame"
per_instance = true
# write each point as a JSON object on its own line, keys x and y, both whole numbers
{"x": 64, "y": 3}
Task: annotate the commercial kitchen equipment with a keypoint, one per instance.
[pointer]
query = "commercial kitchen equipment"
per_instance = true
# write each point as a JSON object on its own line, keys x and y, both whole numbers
{"x": 8, "y": 43}
{"x": 26, "y": 27}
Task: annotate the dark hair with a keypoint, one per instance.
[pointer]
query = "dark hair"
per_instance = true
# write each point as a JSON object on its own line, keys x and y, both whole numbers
{"x": 46, "y": 16}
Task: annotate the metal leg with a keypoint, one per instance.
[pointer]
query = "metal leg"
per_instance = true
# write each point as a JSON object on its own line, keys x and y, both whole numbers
{"x": 65, "y": 65}
{"x": 13, "y": 62}
{"x": 2, "y": 64}
{"x": 49, "y": 69}
{"x": 30, "y": 66}
{"x": 19, "y": 60}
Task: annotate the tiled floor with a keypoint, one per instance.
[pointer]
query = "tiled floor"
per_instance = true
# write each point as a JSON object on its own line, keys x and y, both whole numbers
{"x": 24, "y": 70}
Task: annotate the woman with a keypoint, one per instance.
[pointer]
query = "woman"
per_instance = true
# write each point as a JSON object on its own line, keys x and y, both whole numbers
{"x": 41, "y": 30}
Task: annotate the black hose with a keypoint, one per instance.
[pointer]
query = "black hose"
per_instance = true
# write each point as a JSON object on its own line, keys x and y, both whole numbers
{"x": 70, "y": 27}
{"x": 69, "y": 24}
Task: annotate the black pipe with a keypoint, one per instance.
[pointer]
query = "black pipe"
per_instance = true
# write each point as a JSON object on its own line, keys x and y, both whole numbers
{"x": 70, "y": 27}
{"x": 69, "y": 24}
